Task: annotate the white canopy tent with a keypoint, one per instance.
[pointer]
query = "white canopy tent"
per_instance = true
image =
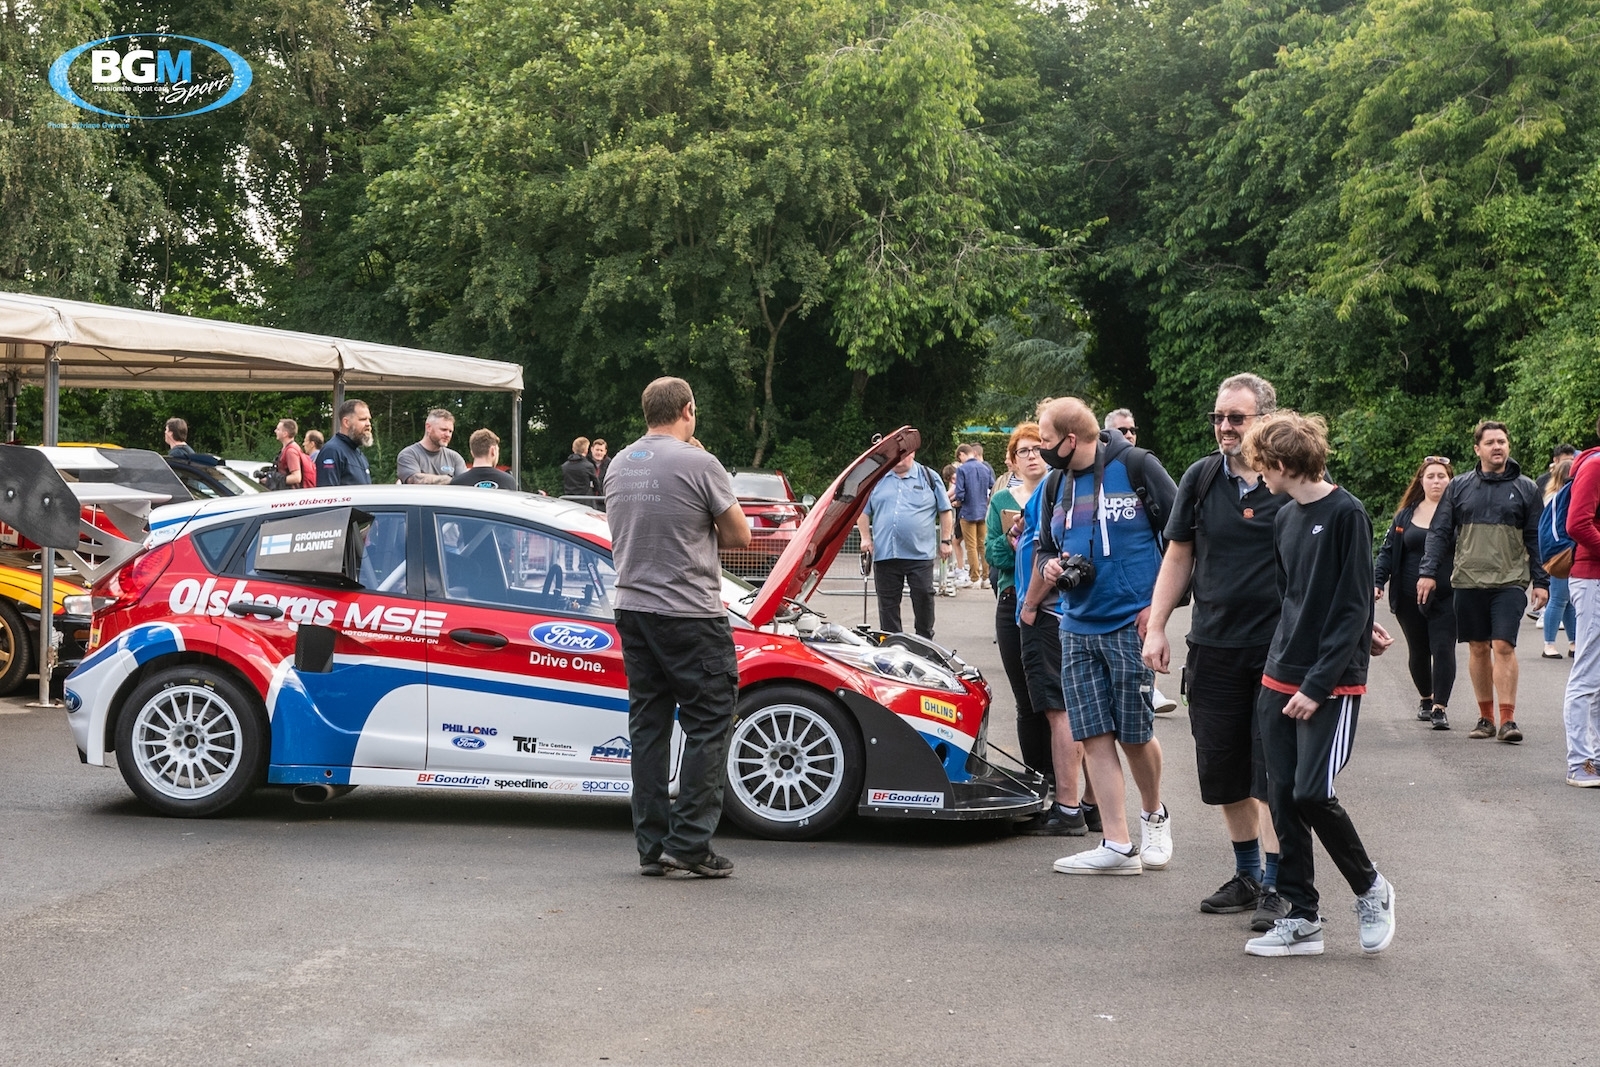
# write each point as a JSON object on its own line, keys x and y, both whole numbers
{"x": 72, "y": 343}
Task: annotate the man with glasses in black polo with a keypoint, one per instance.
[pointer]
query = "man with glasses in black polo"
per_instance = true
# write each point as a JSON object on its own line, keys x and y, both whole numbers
{"x": 1219, "y": 544}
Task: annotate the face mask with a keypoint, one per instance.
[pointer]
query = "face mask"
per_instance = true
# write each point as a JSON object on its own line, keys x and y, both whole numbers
{"x": 1054, "y": 458}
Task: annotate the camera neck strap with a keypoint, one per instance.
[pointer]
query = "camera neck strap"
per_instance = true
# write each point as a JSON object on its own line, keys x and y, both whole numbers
{"x": 1070, "y": 480}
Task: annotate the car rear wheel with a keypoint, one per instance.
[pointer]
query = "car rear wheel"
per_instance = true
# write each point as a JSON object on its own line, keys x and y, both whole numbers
{"x": 795, "y": 764}
{"x": 191, "y": 742}
{"x": 16, "y": 649}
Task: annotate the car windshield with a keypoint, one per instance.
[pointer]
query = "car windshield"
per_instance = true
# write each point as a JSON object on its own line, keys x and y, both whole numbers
{"x": 737, "y": 593}
{"x": 239, "y": 482}
{"x": 760, "y": 485}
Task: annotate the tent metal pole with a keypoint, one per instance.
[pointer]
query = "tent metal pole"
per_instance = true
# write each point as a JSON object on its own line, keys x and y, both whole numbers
{"x": 516, "y": 439}
{"x": 47, "y": 570}
{"x": 338, "y": 398}
{"x": 13, "y": 387}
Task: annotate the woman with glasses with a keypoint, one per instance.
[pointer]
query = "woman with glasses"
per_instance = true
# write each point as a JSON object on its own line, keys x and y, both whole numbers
{"x": 1559, "y": 612}
{"x": 1430, "y": 629}
{"x": 1005, "y": 522}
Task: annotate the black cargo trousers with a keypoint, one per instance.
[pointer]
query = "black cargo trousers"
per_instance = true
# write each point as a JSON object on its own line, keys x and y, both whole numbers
{"x": 687, "y": 667}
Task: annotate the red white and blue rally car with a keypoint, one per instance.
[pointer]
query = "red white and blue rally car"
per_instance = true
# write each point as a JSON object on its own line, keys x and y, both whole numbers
{"x": 443, "y": 637}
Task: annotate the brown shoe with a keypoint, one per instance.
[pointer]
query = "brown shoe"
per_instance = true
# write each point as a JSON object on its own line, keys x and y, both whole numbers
{"x": 1484, "y": 729}
{"x": 1509, "y": 732}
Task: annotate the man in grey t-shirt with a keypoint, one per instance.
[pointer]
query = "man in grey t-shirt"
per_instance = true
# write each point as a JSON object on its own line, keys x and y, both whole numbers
{"x": 670, "y": 505}
{"x": 431, "y": 461}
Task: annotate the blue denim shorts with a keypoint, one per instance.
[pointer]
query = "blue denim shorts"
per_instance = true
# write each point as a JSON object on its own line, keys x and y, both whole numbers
{"x": 1107, "y": 685}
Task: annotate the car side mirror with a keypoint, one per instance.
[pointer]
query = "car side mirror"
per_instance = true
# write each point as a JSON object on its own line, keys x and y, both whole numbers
{"x": 809, "y": 499}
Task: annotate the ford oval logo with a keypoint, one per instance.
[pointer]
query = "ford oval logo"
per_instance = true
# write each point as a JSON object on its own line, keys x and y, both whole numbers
{"x": 467, "y": 742}
{"x": 73, "y": 701}
{"x": 570, "y": 636}
{"x": 166, "y": 79}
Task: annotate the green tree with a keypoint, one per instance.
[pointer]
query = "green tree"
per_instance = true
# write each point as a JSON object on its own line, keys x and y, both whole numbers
{"x": 613, "y": 191}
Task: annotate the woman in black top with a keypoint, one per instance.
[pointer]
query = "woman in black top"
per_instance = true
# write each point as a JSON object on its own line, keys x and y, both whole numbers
{"x": 1430, "y": 628}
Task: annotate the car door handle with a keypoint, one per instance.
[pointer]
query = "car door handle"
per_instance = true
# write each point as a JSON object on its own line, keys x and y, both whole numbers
{"x": 479, "y": 637}
{"x": 246, "y": 607}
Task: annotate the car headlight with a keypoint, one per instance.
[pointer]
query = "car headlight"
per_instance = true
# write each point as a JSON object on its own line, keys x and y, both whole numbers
{"x": 894, "y": 662}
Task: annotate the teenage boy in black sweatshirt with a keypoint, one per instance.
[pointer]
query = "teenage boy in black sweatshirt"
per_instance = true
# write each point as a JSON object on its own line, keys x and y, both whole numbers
{"x": 1315, "y": 675}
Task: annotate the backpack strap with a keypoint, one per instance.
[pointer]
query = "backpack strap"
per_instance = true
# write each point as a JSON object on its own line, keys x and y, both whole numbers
{"x": 1047, "y": 544}
{"x": 1208, "y": 476}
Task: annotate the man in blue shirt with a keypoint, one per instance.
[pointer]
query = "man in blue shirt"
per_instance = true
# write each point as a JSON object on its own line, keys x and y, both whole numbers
{"x": 1101, "y": 539}
{"x": 907, "y": 523}
{"x": 974, "y": 483}
{"x": 339, "y": 461}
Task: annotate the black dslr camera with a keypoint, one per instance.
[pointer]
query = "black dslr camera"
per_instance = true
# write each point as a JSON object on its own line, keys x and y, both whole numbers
{"x": 1076, "y": 573}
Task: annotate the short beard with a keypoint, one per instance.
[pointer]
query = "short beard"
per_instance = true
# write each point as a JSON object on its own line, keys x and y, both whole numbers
{"x": 366, "y": 440}
{"x": 1232, "y": 453}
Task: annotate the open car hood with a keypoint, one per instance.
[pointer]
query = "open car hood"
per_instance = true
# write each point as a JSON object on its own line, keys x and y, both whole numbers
{"x": 823, "y": 533}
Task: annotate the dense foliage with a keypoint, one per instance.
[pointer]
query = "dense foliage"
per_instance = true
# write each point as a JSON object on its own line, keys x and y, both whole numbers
{"x": 835, "y": 216}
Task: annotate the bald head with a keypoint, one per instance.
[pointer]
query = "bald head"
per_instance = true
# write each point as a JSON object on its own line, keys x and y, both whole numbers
{"x": 1069, "y": 415}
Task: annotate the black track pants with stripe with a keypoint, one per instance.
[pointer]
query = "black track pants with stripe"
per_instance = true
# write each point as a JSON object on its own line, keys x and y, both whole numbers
{"x": 1303, "y": 757}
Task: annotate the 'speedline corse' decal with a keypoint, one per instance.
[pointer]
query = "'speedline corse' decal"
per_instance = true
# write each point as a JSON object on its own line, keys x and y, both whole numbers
{"x": 242, "y": 76}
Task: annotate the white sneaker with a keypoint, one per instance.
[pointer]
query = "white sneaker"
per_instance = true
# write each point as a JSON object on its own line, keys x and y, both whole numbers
{"x": 1155, "y": 839}
{"x": 1288, "y": 937}
{"x": 1375, "y": 910}
{"x": 1163, "y": 704}
{"x": 1101, "y": 860}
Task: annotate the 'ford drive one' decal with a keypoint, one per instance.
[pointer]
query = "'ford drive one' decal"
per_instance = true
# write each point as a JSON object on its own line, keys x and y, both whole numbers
{"x": 570, "y": 636}
{"x": 467, "y": 742}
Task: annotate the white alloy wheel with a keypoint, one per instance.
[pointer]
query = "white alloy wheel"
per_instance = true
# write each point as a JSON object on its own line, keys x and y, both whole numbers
{"x": 785, "y": 762}
{"x": 187, "y": 742}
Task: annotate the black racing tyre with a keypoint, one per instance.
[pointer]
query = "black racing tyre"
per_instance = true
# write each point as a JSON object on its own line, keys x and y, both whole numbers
{"x": 192, "y": 742}
{"x": 795, "y": 764}
{"x": 16, "y": 649}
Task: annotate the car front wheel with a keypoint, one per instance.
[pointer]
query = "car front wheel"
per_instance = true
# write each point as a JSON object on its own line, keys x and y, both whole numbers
{"x": 191, "y": 742}
{"x": 795, "y": 764}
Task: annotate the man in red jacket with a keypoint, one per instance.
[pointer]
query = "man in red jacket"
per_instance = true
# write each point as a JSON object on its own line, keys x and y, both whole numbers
{"x": 1582, "y": 709}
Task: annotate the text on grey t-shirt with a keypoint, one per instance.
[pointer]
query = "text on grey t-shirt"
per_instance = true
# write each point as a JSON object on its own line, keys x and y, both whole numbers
{"x": 662, "y": 499}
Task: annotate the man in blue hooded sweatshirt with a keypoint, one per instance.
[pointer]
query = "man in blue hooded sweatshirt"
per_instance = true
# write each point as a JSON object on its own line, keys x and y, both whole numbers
{"x": 1103, "y": 554}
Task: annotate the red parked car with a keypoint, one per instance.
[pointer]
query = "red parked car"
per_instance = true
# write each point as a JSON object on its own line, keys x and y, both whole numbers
{"x": 774, "y": 514}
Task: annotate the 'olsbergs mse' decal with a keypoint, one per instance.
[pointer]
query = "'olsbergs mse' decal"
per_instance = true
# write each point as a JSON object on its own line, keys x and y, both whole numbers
{"x": 194, "y": 597}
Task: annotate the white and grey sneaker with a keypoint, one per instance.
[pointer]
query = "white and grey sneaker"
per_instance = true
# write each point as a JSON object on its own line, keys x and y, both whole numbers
{"x": 1375, "y": 909}
{"x": 1101, "y": 860}
{"x": 1288, "y": 937}
{"x": 1155, "y": 839}
{"x": 1160, "y": 703}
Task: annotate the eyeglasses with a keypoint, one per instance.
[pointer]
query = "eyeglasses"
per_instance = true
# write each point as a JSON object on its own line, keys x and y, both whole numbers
{"x": 1437, "y": 459}
{"x": 1232, "y": 418}
{"x": 1032, "y": 450}
{"x": 1126, "y": 431}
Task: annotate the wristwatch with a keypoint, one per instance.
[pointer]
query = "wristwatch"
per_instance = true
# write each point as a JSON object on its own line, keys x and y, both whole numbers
{"x": 944, "y": 540}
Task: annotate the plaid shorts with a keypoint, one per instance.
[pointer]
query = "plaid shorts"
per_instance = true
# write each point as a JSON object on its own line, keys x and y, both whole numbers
{"x": 1107, "y": 685}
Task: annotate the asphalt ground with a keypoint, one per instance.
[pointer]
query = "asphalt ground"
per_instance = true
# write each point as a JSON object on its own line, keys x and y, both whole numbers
{"x": 395, "y": 927}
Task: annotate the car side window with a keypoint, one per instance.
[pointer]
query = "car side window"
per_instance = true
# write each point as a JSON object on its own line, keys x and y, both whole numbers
{"x": 506, "y": 564}
{"x": 383, "y": 555}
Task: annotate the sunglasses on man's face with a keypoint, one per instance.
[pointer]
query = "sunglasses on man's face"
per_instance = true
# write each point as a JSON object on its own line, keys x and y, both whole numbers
{"x": 1127, "y": 431}
{"x": 1232, "y": 418}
